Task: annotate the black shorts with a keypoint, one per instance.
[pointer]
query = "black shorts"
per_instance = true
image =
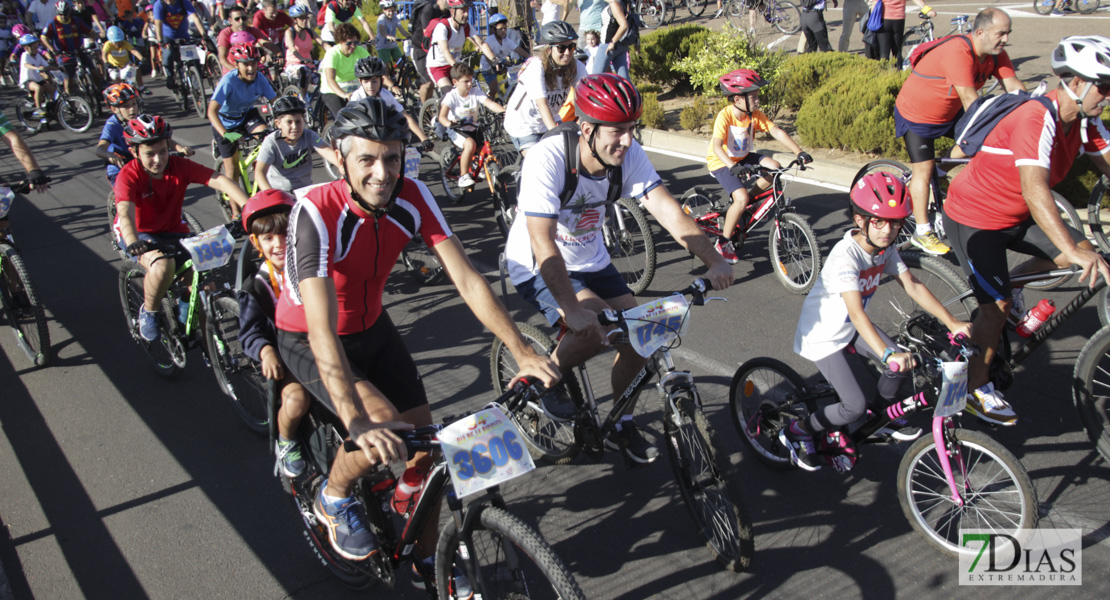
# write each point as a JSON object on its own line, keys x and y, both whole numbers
{"x": 377, "y": 355}
{"x": 982, "y": 253}
{"x": 252, "y": 120}
{"x": 422, "y": 69}
{"x": 920, "y": 139}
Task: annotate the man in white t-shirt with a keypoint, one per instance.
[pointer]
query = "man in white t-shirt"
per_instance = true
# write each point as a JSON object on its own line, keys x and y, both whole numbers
{"x": 556, "y": 256}
{"x": 41, "y": 13}
{"x": 447, "y": 40}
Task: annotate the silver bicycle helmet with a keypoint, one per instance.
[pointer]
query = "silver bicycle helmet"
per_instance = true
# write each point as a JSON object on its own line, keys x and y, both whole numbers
{"x": 1083, "y": 56}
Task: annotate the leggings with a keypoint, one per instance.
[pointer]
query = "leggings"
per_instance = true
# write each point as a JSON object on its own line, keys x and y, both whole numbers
{"x": 890, "y": 40}
{"x": 853, "y": 404}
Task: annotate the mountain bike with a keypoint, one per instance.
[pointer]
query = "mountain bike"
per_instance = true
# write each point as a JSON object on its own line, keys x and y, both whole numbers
{"x": 188, "y": 70}
{"x": 1044, "y": 7}
{"x": 404, "y": 75}
{"x": 1094, "y": 213}
{"x": 502, "y": 556}
{"x": 654, "y": 13}
{"x": 783, "y": 16}
{"x": 795, "y": 254}
{"x": 19, "y": 302}
{"x": 950, "y": 480}
{"x": 938, "y": 187}
{"x": 188, "y": 306}
{"x": 73, "y": 112}
{"x": 87, "y": 87}
{"x": 316, "y": 114}
{"x": 247, "y": 149}
{"x": 702, "y": 471}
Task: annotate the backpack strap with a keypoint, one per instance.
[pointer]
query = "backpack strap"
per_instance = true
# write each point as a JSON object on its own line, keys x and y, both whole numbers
{"x": 615, "y": 175}
{"x": 936, "y": 44}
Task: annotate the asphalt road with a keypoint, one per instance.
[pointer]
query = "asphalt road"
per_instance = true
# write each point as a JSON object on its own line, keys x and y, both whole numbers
{"x": 120, "y": 484}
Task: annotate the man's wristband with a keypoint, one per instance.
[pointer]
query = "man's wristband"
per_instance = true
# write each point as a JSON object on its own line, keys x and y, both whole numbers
{"x": 887, "y": 354}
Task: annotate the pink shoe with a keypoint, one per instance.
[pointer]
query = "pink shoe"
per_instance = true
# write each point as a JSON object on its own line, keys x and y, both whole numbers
{"x": 726, "y": 250}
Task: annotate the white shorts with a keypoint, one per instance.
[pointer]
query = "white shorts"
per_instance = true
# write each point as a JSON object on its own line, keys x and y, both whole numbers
{"x": 122, "y": 74}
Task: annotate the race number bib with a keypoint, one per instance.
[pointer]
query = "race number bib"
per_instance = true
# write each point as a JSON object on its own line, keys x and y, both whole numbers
{"x": 484, "y": 450}
{"x": 189, "y": 52}
{"x": 6, "y": 197}
{"x": 953, "y": 389}
{"x": 211, "y": 249}
{"x": 412, "y": 163}
{"x": 652, "y": 325}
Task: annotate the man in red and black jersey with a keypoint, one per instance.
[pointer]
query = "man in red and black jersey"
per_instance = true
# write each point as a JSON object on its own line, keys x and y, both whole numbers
{"x": 334, "y": 336}
{"x": 149, "y": 193}
{"x": 1003, "y": 201}
{"x": 63, "y": 38}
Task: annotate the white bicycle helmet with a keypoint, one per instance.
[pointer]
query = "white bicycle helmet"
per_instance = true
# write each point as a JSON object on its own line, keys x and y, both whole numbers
{"x": 1083, "y": 56}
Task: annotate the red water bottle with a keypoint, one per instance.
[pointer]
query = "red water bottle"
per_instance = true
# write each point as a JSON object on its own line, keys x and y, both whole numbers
{"x": 408, "y": 490}
{"x": 1036, "y": 317}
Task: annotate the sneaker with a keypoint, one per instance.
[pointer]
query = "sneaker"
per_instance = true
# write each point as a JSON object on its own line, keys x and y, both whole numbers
{"x": 628, "y": 439}
{"x": 1017, "y": 308}
{"x": 558, "y": 404}
{"x": 930, "y": 244}
{"x": 460, "y": 582}
{"x": 901, "y": 430}
{"x": 289, "y": 458}
{"x": 1057, "y": 13}
{"x": 347, "y": 530}
{"x": 720, "y": 11}
{"x": 988, "y": 404}
{"x": 803, "y": 453}
{"x": 146, "y": 92}
{"x": 37, "y": 113}
{"x": 148, "y": 325}
{"x": 725, "y": 250}
{"x": 466, "y": 181}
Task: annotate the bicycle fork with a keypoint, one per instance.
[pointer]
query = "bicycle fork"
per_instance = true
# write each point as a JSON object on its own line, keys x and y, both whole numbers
{"x": 940, "y": 424}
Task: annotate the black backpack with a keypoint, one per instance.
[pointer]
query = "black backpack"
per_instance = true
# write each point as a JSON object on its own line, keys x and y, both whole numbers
{"x": 571, "y": 135}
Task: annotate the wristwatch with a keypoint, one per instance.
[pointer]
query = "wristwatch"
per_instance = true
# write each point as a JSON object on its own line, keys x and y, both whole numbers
{"x": 887, "y": 354}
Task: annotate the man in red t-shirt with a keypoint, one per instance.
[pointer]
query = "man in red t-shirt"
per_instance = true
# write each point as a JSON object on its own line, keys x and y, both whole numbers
{"x": 272, "y": 21}
{"x": 940, "y": 87}
{"x": 149, "y": 193}
{"x": 1003, "y": 201}
{"x": 238, "y": 18}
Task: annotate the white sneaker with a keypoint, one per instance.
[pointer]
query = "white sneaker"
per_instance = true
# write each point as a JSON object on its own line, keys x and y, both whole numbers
{"x": 466, "y": 181}
{"x": 988, "y": 404}
{"x": 1017, "y": 308}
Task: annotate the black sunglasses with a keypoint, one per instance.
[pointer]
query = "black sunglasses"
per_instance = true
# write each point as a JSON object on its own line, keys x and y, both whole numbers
{"x": 565, "y": 47}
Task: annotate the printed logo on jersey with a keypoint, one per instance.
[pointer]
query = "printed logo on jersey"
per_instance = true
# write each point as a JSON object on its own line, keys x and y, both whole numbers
{"x": 295, "y": 159}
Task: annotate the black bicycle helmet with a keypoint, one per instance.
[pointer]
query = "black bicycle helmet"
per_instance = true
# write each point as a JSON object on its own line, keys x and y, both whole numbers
{"x": 557, "y": 32}
{"x": 370, "y": 66}
{"x": 373, "y": 119}
{"x": 288, "y": 105}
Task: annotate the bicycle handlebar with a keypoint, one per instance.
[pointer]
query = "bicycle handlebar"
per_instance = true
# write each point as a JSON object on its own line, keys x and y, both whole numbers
{"x": 695, "y": 290}
{"x": 23, "y": 186}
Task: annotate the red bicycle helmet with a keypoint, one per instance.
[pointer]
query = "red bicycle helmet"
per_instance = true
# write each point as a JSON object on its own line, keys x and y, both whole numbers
{"x": 741, "y": 81}
{"x": 146, "y": 129}
{"x": 242, "y": 53}
{"x": 880, "y": 195}
{"x": 458, "y": 3}
{"x": 266, "y": 202}
{"x": 119, "y": 94}
{"x": 607, "y": 99}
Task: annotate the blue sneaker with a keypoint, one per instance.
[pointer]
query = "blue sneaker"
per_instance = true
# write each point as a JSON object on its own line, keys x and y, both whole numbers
{"x": 289, "y": 458}
{"x": 346, "y": 524}
{"x": 148, "y": 325}
{"x": 460, "y": 582}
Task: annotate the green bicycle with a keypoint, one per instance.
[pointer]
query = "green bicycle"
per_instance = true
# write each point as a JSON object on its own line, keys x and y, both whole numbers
{"x": 248, "y": 146}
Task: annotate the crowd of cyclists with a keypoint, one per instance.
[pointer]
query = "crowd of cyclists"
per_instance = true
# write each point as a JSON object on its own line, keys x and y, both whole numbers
{"x": 311, "y": 312}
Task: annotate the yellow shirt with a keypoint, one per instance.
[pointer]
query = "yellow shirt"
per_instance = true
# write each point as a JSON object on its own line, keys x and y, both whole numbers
{"x": 738, "y": 134}
{"x": 119, "y": 54}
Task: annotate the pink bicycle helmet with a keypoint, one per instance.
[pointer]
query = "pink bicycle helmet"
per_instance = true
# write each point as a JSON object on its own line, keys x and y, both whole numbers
{"x": 741, "y": 81}
{"x": 241, "y": 37}
{"x": 880, "y": 195}
{"x": 19, "y": 30}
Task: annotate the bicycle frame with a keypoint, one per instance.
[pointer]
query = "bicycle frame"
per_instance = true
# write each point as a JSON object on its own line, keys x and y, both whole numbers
{"x": 758, "y": 208}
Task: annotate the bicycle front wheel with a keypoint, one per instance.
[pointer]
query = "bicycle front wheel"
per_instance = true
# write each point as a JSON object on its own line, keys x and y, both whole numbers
{"x": 704, "y": 477}
{"x": 159, "y": 354}
{"x": 196, "y": 91}
{"x": 762, "y": 402}
{"x": 239, "y": 378}
{"x": 653, "y": 12}
{"x": 419, "y": 259}
{"x": 1086, "y": 6}
{"x": 75, "y": 114}
{"x": 1091, "y": 389}
{"x": 696, "y": 7}
{"x": 902, "y": 173}
{"x": 429, "y": 112}
{"x": 995, "y": 491}
{"x": 547, "y": 440}
{"x": 795, "y": 255}
{"x": 1044, "y": 7}
{"x": 784, "y": 16}
{"x": 890, "y": 305}
{"x": 1094, "y": 213}
{"x": 630, "y": 244}
{"x": 507, "y": 559}
{"x": 26, "y": 316}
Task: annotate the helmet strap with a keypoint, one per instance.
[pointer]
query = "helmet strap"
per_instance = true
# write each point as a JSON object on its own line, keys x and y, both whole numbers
{"x": 873, "y": 248}
{"x": 593, "y": 151}
{"x": 363, "y": 204}
{"x": 1079, "y": 105}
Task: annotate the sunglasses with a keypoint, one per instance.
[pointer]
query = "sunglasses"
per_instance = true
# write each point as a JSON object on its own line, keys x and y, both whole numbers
{"x": 878, "y": 223}
{"x": 237, "y": 19}
{"x": 350, "y": 44}
{"x": 1103, "y": 89}
{"x": 564, "y": 47}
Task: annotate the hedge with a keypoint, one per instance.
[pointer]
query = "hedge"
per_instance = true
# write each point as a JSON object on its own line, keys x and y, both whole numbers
{"x": 802, "y": 74}
{"x": 661, "y": 49}
{"x": 854, "y": 110}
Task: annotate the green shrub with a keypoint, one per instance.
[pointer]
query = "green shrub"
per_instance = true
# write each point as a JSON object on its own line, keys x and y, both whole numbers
{"x": 652, "y": 115}
{"x": 804, "y": 73}
{"x": 649, "y": 88}
{"x": 661, "y": 49}
{"x": 854, "y": 110}
{"x": 694, "y": 116}
{"x": 725, "y": 52}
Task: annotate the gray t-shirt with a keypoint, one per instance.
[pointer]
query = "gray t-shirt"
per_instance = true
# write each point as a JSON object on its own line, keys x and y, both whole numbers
{"x": 290, "y": 166}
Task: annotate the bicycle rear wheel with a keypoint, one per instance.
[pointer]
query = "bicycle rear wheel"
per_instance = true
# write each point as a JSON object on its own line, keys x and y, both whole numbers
{"x": 705, "y": 479}
{"x": 1094, "y": 213}
{"x": 795, "y": 255}
{"x": 1044, "y": 7}
{"x": 1091, "y": 390}
{"x": 239, "y": 377}
{"x": 784, "y": 16}
{"x": 26, "y": 316}
{"x": 75, "y": 113}
{"x": 696, "y": 7}
{"x": 159, "y": 352}
{"x": 547, "y": 440}
{"x": 901, "y": 172}
{"x": 427, "y": 117}
{"x": 761, "y": 400}
{"x": 891, "y": 305}
{"x": 511, "y": 558}
{"x": 994, "y": 487}
{"x": 631, "y": 247}
{"x": 1086, "y": 6}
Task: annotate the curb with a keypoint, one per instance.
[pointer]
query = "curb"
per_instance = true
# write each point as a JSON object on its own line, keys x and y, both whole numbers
{"x": 825, "y": 173}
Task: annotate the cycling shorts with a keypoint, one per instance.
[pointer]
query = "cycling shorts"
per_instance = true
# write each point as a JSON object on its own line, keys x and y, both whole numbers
{"x": 982, "y": 253}
{"x": 920, "y": 138}
{"x": 438, "y": 73}
{"x": 460, "y": 137}
{"x": 729, "y": 182}
{"x": 606, "y": 283}
{"x": 422, "y": 69}
{"x": 251, "y": 121}
{"x": 377, "y": 355}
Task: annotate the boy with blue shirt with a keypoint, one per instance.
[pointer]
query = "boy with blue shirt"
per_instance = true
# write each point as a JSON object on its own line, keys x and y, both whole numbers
{"x": 231, "y": 109}
{"x": 123, "y": 100}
